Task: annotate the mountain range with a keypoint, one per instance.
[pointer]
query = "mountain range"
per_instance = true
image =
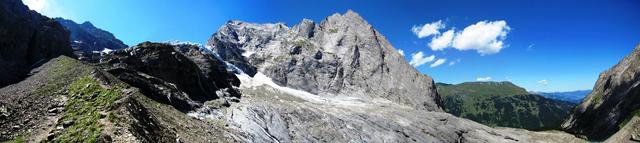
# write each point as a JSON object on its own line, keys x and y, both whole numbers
{"x": 569, "y": 96}
{"x": 339, "y": 80}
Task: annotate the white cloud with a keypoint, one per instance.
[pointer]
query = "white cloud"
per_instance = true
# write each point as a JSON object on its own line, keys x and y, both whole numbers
{"x": 36, "y": 5}
{"x": 484, "y": 37}
{"x": 483, "y": 78}
{"x": 438, "y": 63}
{"x": 418, "y": 59}
{"x": 401, "y": 52}
{"x": 544, "y": 82}
{"x": 442, "y": 41}
{"x": 451, "y": 63}
{"x": 428, "y": 29}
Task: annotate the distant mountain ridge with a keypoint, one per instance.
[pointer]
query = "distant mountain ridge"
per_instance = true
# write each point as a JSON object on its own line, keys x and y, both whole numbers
{"x": 502, "y": 104}
{"x": 86, "y": 39}
{"x": 569, "y": 96}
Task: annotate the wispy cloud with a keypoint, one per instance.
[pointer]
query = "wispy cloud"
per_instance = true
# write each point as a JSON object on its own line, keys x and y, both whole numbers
{"x": 418, "y": 59}
{"x": 401, "y": 52}
{"x": 36, "y": 5}
{"x": 530, "y": 47}
{"x": 544, "y": 82}
{"x": 428, "y": 29}
{"x": 438, "y": 63}
{"x": 483, "y": 78}
{"x": 451, "y": 63}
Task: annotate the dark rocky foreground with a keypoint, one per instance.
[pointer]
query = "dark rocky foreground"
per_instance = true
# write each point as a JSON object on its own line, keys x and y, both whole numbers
{"x": 28, "y": 40}
{"x": 170, "y": 74}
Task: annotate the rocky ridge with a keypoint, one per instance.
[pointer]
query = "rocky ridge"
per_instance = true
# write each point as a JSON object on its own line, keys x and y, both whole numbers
{"x": 88, "y": 41}
{"x": 86, "y": 37}
{"x": 612, "y": 103}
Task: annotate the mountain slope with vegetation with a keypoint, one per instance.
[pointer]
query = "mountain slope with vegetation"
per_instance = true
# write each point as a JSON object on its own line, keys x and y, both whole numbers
{"x": 502, "y": 104}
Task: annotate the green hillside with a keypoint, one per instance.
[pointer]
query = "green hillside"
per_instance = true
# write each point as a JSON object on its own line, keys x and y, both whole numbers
{"x": 502, "y": 104}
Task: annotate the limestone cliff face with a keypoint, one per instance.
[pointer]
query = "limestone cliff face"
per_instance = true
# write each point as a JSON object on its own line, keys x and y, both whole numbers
{"x": 612, "y": 103}
{"x": 28, "y": 40}
{"x": 342, "y": 55}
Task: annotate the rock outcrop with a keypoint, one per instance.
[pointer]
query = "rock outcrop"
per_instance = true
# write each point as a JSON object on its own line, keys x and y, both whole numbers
{"x": 184, "y": 76}
{"x": 343, "y": 55}
{"x": 610, "y": 105}
{"x": 28, "y": 40}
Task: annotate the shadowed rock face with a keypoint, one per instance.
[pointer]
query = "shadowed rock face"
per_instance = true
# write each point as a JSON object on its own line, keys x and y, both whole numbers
{"x": 183, "y": 76}
{"x": 342, "y": 55}
{"x": 28, "y": 40}
{"x": 87, "y": 38}
{"x": 614, "y": 98}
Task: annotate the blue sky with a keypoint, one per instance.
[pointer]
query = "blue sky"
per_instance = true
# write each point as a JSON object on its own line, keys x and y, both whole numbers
{"x": 545, "y": 45}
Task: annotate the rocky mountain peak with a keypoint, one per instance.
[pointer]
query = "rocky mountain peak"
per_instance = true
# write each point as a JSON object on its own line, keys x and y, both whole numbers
{"x": 349, "y": 16}
{"x": 344, "y": 55}
{"x": 87, "y": 24}
{"x": 349, "y": 22}
{"x": 86, "y": 39}
{"x": 305, "y": 28}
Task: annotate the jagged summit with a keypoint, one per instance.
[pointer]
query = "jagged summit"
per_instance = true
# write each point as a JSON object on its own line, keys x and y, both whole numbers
{"x": 349, "y": 17}
{"x": 343, "y": 55}
{"x": 87, "y": 23}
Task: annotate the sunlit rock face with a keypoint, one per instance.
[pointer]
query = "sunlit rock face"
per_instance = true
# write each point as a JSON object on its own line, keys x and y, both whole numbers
{"x": 342, "y": 55}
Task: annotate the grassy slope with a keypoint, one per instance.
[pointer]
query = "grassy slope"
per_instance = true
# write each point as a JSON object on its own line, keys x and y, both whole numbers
{"x": 502, "y": 104}
{"x": 88, "y": 99}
